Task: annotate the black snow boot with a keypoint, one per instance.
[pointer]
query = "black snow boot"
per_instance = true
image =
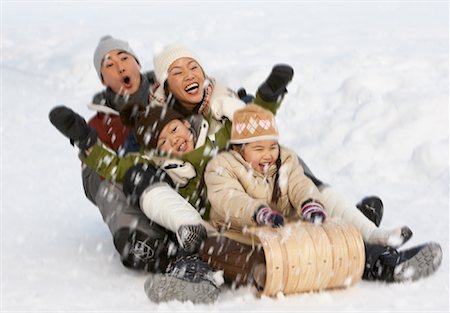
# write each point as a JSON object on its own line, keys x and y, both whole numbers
{"x": 372, "y": 208}
{"x": 187, "y": 278}
{"x": 191, "y": 237}
{"x": 244, "y": 96}
{"x": 140, "y": 251}
{"x": 400, "y": 266}
{"x": 274, "y": 88}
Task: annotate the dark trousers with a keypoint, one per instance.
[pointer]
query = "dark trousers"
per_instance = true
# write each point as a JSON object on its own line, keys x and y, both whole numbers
{"x": 141, "y": 243}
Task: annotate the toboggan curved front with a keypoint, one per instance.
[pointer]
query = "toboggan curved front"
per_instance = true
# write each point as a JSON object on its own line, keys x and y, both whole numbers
{"x": 304, "y": 257}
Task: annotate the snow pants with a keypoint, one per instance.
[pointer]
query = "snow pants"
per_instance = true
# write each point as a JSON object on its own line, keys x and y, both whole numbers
{"x": 141, "y": 243}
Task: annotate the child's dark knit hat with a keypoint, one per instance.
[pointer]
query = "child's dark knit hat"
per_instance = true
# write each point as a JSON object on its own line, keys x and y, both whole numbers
{"x": 148, "y": 122}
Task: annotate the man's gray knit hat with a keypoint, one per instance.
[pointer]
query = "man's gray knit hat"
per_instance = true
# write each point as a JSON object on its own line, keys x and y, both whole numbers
{"x": 106, "y": 44}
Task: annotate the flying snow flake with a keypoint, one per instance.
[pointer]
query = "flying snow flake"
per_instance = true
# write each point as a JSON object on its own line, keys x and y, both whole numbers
{"x": 280, "y": 294}
{"x": 171, "y": 249}
{"x": 219, "y": 170}
{"x": 407, "y": 273}
{"x": 107, "y": 159}
{"x": 286, "y": 233}
{"x": 209, "y": 151}
{"x": 147, "y": 137}
{"x": 348, "y": 281}
{"x": 99, "y": 247}
{"x": 109, "y": 195}
{"x": 250, "y": 172}
{"x": 217, "y": 277}
{"x": 283, "y": 176}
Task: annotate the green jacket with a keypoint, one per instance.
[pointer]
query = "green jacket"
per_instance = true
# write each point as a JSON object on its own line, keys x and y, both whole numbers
{"x": 108, "y": 164}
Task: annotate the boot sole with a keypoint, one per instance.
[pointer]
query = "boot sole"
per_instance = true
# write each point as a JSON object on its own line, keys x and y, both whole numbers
{"x": 163, "y": 288}
{"x": 423, "y": 263}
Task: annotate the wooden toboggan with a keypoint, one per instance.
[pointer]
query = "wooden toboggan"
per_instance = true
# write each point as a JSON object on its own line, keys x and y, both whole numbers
{"x": 303, "y": 257}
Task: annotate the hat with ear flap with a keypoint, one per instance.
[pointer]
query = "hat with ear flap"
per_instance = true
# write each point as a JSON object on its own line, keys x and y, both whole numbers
{"x": 148, "y": 122}
{"x": 164, "y": 59}
{"x": 253, "y": 123}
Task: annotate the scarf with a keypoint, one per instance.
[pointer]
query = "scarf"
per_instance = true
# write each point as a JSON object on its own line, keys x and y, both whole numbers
{"x": 141, "y": 96}
{"x": 158, "y": 97}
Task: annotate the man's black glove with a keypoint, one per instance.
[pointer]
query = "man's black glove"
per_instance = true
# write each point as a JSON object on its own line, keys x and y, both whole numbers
{"x": 73, "y": 126}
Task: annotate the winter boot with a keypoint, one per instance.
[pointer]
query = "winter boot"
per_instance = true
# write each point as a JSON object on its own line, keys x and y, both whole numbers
{"x": 244, "y": 96}
{"x": 259, "y": 275}
{"x": 394, "y": 238}
{"x": 139, "y": 250}
{"x": 407, "y": 265}
{"x": 187, "y": 279}
{"x": 191, "y": 237}
{"x": 274, "y": 88}
{"x": 73, "y": 126}
{"x": 372, "y": 208}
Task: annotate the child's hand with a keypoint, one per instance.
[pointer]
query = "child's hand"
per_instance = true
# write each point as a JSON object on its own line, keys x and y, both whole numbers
{"x": 313, "y": 212}
{"x": 265, "y": 216}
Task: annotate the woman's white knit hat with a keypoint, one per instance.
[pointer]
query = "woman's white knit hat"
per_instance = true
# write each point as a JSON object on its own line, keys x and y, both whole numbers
{"x": 106, "y": 44}
{"x": 167, "y": 56}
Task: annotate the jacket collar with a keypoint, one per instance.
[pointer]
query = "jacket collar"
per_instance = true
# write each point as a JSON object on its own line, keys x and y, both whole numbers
{"x": 199, "y": 128}
{"x": 113, "y": 103}
{"x": 270, "y": 173}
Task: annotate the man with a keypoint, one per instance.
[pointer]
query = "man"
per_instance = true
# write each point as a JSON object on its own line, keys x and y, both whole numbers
{"x": 140, "y": 243}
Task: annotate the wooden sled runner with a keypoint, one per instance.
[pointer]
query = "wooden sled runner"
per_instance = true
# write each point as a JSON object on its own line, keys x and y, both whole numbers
{"x": 304, "y": 257}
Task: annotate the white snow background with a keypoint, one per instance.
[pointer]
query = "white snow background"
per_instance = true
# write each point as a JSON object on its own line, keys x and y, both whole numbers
{"x": 367, "y": 110}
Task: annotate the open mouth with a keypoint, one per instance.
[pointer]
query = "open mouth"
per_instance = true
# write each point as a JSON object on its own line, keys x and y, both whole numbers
{"x": 264, "y": 167}
{"x": 127, "y": 81}
{"x": 192, "y": 88}
{"x": 182, "y": 147}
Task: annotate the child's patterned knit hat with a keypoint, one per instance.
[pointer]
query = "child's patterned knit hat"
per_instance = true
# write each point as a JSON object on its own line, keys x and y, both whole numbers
{"x": 253, "y": 123}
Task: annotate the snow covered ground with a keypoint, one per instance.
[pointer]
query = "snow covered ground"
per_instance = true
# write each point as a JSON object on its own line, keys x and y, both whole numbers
{"x": 367, "y": 110}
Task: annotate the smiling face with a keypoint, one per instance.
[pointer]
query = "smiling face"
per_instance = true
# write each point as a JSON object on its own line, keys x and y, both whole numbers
{"x": 121, "y": 72}
{"x": 176, "y": 138}
{"x": 185, "y": 81}
{"x": 261, "y": 154}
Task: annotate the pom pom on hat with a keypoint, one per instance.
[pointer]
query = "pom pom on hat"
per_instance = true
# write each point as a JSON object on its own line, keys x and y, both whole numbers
{"x": 163, "y": 60}
{"x": 106, "y": 44}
